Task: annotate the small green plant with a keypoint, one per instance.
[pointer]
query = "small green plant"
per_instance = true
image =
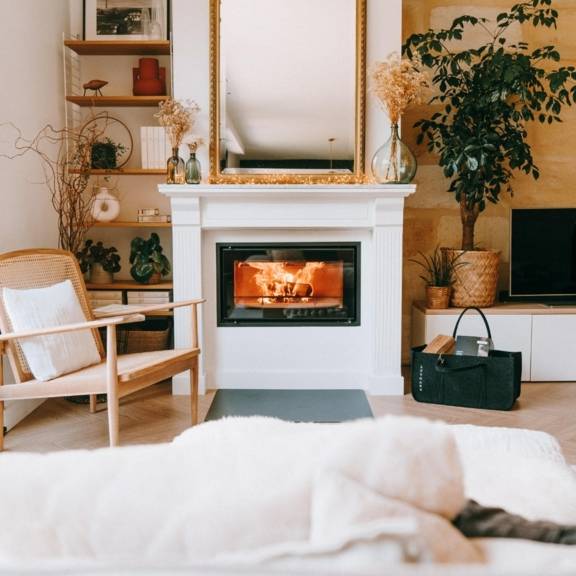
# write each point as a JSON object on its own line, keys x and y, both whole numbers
{"x": 147, "y": 258}
{"x": 96, "y": 253}
{"x": 106, "y": 153}
{"x": 439, "y": 267}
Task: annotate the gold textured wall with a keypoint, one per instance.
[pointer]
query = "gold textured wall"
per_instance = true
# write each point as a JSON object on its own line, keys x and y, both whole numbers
{"x": 432, "y": 216}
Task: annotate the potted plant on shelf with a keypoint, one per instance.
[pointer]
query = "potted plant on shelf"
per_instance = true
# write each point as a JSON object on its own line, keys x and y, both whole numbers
{"x": 106, "y": 153}
{"x": 486, "y": 96}
{"x": 148, "y": 261}
{"x": 101, "y": 262}
{"x": 439, "y": 269}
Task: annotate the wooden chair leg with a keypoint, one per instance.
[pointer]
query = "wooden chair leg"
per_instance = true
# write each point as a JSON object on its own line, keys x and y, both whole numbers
{"x": 112, "y": 385}
{"x": 92, "y": 403}
{"x": 194, "y": 390}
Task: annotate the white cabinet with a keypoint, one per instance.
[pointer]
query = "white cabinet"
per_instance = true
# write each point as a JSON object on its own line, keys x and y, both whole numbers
{"x": 546, "y": 336}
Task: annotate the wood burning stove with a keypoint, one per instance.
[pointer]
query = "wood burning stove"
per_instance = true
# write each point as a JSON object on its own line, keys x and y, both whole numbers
{"x": 289, "y": 284}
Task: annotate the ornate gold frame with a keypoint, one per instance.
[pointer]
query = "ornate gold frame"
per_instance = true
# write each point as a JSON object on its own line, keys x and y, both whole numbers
{"x": 216, "y": 177}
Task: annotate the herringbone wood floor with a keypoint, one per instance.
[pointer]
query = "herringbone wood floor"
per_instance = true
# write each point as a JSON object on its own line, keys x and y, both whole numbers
{"x": 154, "y": 415}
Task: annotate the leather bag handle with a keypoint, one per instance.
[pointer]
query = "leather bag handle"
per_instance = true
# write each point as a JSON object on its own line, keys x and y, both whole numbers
{"x": 479, "y": 312}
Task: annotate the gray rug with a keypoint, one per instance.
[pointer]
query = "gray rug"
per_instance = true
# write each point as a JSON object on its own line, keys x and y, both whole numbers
{"x": 292, "y": 405}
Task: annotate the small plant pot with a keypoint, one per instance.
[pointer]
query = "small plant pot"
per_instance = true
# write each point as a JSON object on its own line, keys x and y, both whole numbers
{"x": 156, "y": 278}
{"x": 99, "y": 276}
{"x": 438, "y": 297}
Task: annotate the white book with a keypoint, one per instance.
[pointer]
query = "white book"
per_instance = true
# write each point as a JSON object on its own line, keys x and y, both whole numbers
{"x": 167, "y": 148}
{"x": 144, "y": 146}
{"x": 158, "y": 161}
{"x": 105, "y": 294}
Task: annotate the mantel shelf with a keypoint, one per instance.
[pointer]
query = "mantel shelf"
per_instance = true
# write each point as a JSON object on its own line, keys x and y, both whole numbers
{"x": 119, "y": 47}
{"x": 117, "y": 101}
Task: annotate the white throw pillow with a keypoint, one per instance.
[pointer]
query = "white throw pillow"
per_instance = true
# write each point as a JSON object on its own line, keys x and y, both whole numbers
{"x": 56, "y": 305}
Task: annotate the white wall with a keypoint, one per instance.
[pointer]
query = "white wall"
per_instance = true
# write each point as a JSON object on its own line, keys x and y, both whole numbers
{"x": 191, "y": 64}
{"x": 31, "y": 96}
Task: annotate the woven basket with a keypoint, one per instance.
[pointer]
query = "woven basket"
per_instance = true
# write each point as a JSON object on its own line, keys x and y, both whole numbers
{"x": 147, "y": 338}
{"x": 438, "y": 297}
{"x": 476, "y": 281}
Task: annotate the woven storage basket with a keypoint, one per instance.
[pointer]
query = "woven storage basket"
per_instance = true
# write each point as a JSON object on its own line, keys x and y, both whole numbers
{"x": 437, "y": 297}
{"x": 152, "y": 336}
{"x": 476, "y": 281}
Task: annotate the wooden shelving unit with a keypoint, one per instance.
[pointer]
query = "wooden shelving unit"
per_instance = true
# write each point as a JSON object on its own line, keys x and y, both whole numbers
{"x": 129, "y": 285}
{"x": 117, "y": 101}
{"x": 124, "y": 172}
{"x": 119, "y": 47}
{"x": 117, "y": 224}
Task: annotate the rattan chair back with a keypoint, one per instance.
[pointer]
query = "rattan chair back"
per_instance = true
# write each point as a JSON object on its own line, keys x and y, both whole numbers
{"x": 38, "y": 268}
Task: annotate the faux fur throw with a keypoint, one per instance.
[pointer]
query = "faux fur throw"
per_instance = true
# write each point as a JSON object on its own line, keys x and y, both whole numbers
{"x": 232, "y": 489}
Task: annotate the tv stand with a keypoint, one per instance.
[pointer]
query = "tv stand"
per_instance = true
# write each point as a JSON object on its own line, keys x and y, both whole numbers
{"x": 544, "y": 333}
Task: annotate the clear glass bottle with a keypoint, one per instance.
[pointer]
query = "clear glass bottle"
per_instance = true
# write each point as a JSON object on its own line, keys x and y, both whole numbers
{"x": 394, "y": 162}
{"x": 193, "y": 168}
{"x": 175, "y": 168}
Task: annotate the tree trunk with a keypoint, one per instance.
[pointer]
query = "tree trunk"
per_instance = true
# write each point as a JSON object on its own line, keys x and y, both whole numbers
{"x": 468, "y": 217}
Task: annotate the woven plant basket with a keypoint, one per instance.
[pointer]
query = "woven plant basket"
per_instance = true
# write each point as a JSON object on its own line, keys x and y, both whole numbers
{"x": 476, "y": 280}
{"x": 438, "y": 297}
{"x": 155, "y": 336}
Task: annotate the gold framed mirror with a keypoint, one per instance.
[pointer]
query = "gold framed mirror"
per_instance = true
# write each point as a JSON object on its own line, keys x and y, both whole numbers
{"x": 287, "y": 91}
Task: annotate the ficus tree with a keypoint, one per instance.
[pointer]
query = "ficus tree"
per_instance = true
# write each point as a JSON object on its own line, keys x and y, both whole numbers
{"x": 486, "y": 97}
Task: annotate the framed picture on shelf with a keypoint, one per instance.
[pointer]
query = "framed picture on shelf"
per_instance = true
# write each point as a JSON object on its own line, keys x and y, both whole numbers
{"x": 126, "y": 19}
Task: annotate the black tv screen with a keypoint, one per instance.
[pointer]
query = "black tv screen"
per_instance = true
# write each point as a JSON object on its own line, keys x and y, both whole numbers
{"x": 543, "y": 252}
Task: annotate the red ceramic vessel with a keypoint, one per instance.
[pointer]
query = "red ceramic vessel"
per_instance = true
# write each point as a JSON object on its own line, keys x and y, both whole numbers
{"x": 149, "y": 78}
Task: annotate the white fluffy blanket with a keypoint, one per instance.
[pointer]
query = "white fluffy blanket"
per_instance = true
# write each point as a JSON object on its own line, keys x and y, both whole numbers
{"x": 242, "y": 491}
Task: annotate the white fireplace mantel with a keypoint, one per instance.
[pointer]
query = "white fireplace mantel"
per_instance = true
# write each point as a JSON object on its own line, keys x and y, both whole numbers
{"x": 367, "y": 356}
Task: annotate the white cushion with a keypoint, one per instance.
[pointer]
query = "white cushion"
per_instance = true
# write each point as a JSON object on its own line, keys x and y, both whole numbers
{"x": 56, "y": 305}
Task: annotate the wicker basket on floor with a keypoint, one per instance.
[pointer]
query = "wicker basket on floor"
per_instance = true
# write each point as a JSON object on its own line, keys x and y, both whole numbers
{"x": 476, "y": 280}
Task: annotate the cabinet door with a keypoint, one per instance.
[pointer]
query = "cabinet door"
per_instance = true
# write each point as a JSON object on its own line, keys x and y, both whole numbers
{"x": 554, "y": 347}
{"x": 510, "y": 332}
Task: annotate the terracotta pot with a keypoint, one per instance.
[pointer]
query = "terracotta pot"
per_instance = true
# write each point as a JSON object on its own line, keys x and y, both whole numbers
{"x": 149, "y": 79}
{"x": 99, "y": 276}
{"x": 438, "y": 297}
{"x": 156, "y": 278}
{"x": 475, "y": 281}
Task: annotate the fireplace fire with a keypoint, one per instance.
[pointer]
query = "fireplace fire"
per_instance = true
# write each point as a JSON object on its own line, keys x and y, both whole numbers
{"x": 289, "y": 284}
{"x": 280, "y": 284}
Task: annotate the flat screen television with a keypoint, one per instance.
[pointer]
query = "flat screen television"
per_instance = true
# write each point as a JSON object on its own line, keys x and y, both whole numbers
{"x": 543, "y": 254}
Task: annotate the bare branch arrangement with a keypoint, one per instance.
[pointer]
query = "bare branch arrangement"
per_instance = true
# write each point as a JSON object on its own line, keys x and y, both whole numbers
{"x": 66, "y": 159}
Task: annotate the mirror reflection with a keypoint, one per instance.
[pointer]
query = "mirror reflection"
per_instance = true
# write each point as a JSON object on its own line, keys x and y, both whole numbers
{"x": 287, "y": 86}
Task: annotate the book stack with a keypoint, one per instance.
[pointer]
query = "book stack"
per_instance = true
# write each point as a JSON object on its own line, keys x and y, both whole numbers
{"x": 148, "y": 298}
{"x": 154, "y": 147}
{"x": 99, "y": 298}
{"x": 152, "y": 215}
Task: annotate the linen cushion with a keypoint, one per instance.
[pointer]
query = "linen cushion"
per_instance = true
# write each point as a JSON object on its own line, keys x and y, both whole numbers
{"x": 56, "y": 305}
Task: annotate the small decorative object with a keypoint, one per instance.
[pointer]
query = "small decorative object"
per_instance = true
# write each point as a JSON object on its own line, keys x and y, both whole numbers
{"x": 439, "y": 270}
{"x": 101, "y": 262}
{"x": 178, "y": 119}
{"x": 148, "y": 261}
{"x": 105, "y": 154}
{"x": 123, "y": 20}
{"x": 479, "y": 130}
{"x": 111, "y": 141}
{"x": 193, "y": 168}
{"x": 149, "y": 79}
{"x": 105, "y": 206}
{"x": 397, "y": 84}
{"x": 95, "y": 85}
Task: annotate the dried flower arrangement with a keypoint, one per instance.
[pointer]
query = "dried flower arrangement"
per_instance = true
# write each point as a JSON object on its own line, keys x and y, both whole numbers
{"x": 66, "y": 159}
{"x": 398, "y": 84}
{"x": 193, "y": 143}
{"x": 178, "y": 118}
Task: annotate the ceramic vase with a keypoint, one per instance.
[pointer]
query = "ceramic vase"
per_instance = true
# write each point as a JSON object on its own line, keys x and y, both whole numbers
{"x": 149, "y": 78}
{"x": 105, "y": 206}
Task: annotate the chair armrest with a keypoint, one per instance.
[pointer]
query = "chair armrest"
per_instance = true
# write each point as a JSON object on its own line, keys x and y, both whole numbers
{"x": 126, "y": 319}
{"x": 137, "y": 309}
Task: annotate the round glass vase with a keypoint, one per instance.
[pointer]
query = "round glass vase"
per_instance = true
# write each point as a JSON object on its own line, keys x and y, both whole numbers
{"x": 394, "y": 162}
{"x": 193, "y": 170}
{"x": 175, "y": 168}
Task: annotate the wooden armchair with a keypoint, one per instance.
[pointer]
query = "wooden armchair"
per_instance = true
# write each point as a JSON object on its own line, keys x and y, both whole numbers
{"x": 116, "y": 376}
